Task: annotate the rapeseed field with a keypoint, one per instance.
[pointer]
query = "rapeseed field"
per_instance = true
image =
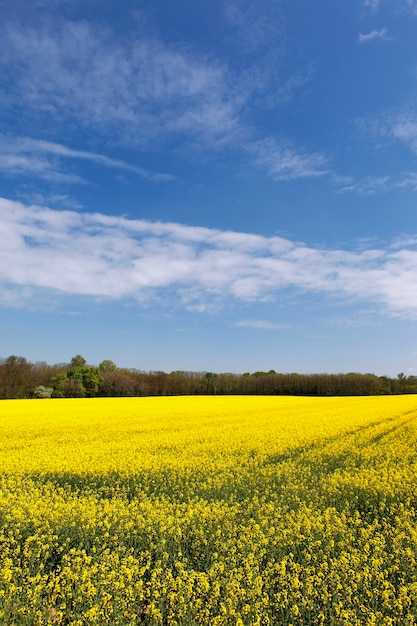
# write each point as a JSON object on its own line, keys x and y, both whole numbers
{"x": 240, "y": 511}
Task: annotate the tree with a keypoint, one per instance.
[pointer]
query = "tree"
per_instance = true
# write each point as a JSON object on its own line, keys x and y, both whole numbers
{"x": 209, "y": 383}
{"x": 16, "y": 377}
{"x": 89, "y": 377}
{"x": 116, "y": 384}
{"x": 107, "y": 366}
{"x": 79, "y": 380}
{"x": 407, "y": 384}
{"x": 43, "y": 392}
{"x": 64, "y": 387}
{"x": 72, "y": 388}
{"x": 78, "y": 361}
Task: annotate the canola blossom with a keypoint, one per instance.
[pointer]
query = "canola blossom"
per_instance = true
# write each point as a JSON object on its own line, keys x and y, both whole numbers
{"x": 240, "y": 511}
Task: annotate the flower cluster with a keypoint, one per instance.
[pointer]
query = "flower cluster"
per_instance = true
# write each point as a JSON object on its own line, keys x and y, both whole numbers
{"x": 220, "y": 511}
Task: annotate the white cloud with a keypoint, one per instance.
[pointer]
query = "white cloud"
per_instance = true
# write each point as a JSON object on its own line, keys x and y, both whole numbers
{"x": 286, "y": 162}
{"x": 371, "y": 185}
{"x": 404, "y": 128}
{"x": 412, "y": 5}
{"x": 141, "y": 91}
{"x": 409, "y": 181}
{"x": 16, "y": 160}
{"x": 97, "y": 255}
{"x": 59, "y": 200}
{"x": 377, "y": 185}
{"x": 399, "y": 125}
{"x": 372, "y": 5}
{"x": 23, "y": 156}
{"x": 138, "y": 88}
{"x": 261, "y": 324}
{"x": 374, "y": 35}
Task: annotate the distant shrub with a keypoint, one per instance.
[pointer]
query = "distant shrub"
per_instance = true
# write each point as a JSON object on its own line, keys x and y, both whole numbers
{"x": 43, "y": 392}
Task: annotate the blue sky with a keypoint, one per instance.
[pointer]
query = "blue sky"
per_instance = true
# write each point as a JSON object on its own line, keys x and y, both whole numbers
{"x": 222, "y": 186}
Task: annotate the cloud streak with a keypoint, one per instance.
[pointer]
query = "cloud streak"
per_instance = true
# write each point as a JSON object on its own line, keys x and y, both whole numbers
{"x": 23, "y": 156}
{"x": 261, "y": 325}
{"x": 372, "y": 5}
{"x": 286, "y": 162}
{"x": 139, "y": 88}
{"x": 68, "y": 253}
{"x": 374, "y": 35}
{"x": 142, "y": 92}
{"x": 404, "y": 128}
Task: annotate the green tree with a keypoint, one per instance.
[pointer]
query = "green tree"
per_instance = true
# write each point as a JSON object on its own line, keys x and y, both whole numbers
{"x": 72, "y": 388}
{"x": 88, "y": 380}
{"x": 209, "y": 383}
{"x": 56, "y": 383}
{"x": 64, "y": 387}
{"x": 78, "y": 361}
{"x": 107, "y": 366}
{"x": 89, "y": 377}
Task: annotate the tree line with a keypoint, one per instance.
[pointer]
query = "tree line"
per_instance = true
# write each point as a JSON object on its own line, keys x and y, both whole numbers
{"x": 19, "y": 378}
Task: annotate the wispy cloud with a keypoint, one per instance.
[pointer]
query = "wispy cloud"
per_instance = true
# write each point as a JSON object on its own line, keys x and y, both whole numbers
{"x": 286, "y": 162}
{"x": 372, "y": 5}
{"x": 374, "y": 35}
{"x": 101, "y": 256}
{"x": 16, "y": 164}
{"x": 23, "y": 156}
{"x": 409, "y": 181}
{"x": 59, "y": 200}
{"x": 369, "y": 186}
{"x": 404, "y": 128}
{"x": 377, "y": 185}
{"x": 412, "y": 5}
{"x": 356, "y": 319}
{"x": 144, "y": 92}
{"x": 262, "y": 325}
{"x": 139, "y": 88}
{"x": 260, "y": 40}
{"x": 399, "y": 126}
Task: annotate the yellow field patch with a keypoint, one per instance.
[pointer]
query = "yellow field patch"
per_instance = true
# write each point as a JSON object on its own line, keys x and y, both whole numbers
{"x": 208, "y": 510}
